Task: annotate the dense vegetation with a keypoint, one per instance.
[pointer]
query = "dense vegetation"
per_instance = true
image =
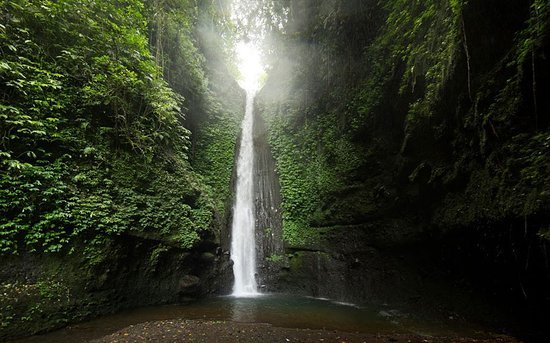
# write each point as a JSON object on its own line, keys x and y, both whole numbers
{"x": 85, "y": 108}
{"x": 397, "y": 102}
{"x": 396, "y": 126}
{"x": 414, "y": 121}
{"x": 98, "y": 99}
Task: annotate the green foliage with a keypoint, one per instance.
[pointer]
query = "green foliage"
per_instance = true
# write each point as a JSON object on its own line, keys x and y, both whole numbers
{"x": 93, "y": 143}
{"x": 299, "y": 234}
{"x": 275, "y": 258}
{"x": 319, "y": 156}
{"x": 532, "y": 170}
{"x": 25, "y": 304}
{"x": 316, "y": 160}
{"x": 532, "y": 38}
{"x": 420, "y": 38}
{"x": 33, "y": 202}
{"x": 519, "y": 189}
{"x": 173, "y": 30}
{"x": 512, "y": 181}
{"x": 98, "y": 99}
{"x": 297, "y": 188}
{"x": 426, "y": 116}
{"x": 215, "y": 154}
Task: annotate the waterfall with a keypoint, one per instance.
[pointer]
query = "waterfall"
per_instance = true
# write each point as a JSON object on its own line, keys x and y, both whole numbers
{"x": 243, "y": 241}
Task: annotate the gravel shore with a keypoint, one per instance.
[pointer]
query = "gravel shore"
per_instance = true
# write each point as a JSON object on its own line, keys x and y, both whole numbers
{"x": 224, "y": 331}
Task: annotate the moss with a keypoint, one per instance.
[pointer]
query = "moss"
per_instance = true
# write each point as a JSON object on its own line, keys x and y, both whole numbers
{"x": 217, "y": 139}
{"x": 275, "y": 258}
{"x": 156, "y": 255}
{"x": 298, "y": 235}
{"x": 545, "y": 233}
{"x": 207, "y": 257}
{"x": 441, "y": 129}
{"x": 34, "y": 307}
{"x": 296, "y": 261}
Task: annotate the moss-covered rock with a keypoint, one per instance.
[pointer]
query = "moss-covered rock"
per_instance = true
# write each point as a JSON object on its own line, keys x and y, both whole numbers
{"x": 44, "y": 292}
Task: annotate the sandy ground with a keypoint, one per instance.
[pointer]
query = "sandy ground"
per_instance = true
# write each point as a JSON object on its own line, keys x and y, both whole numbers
{"x": 222, "y": 331}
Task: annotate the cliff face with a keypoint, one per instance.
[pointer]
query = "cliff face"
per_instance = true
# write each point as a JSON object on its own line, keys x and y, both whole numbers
{"x": 268, "y": 207}
{"x": 408, "y": 124}
{"x": 44, "y": 292}
{"x": 108, "y": 200}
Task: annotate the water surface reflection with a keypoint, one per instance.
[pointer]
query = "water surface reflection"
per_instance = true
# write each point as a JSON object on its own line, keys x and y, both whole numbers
{"x": 277, "y": 310}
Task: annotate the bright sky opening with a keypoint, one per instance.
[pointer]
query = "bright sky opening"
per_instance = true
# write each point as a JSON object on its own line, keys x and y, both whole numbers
{"x": 250, "y": 66}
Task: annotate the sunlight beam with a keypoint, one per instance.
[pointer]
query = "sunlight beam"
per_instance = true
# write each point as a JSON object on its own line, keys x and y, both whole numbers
{"x": 251, "y": 68}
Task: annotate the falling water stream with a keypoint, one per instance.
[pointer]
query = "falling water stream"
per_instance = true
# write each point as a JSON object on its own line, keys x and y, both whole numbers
{"x": 243, "y": 242}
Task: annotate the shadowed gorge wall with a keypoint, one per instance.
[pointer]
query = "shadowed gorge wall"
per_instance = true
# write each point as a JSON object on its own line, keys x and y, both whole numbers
{"x": 268, "y": 206}
{"x": 414, "y": 124}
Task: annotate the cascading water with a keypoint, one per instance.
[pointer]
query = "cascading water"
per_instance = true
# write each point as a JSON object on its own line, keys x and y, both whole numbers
{"x": 243, "y": 237}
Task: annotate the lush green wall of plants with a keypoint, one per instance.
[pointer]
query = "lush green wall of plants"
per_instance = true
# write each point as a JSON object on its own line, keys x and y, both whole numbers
{"x": 425, "y": 113}
{"x": 113, "y": 142}
{"x": 94, "y": 142}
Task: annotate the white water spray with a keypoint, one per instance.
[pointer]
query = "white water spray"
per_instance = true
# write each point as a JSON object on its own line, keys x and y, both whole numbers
{"x": 243, "y": 239}
{"x": 243, "y": 233}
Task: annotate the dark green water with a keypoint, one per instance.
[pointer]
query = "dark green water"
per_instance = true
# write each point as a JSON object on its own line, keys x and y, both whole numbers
{"x": 277, "y": 310}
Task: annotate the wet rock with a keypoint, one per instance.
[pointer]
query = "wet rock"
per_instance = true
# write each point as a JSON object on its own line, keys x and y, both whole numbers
{"x": 130, "y": 272}
{"x": 189, "y": 284}
{"x": 207, "y": 257}
{"x": 268, "y": 203}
